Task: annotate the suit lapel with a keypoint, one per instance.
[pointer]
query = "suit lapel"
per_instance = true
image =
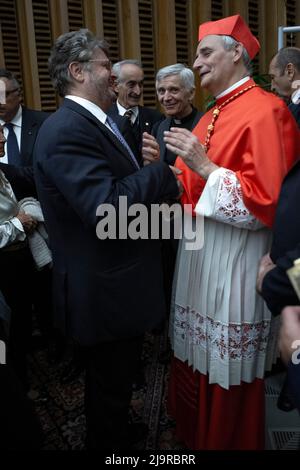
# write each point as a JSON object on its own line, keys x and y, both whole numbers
{"x": 111, "y": 136}
{"x": 28, "y": 136}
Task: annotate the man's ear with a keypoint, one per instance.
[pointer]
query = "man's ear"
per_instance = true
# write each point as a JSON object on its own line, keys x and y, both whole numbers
{"x": 76, "y": 71}
{"x": 192, "y": 95}
{"x": 290, "y": 71}
{"x": 238, "y": 51}
{"x": 115, "y": 85}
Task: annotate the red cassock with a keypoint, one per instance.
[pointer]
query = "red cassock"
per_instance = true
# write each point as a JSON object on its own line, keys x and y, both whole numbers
{"x": 256, "y": 137}
{"x": 258, "y": 142}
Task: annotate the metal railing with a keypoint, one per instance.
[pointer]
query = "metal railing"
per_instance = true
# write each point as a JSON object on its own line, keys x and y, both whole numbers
{"x": 286, "y": 29}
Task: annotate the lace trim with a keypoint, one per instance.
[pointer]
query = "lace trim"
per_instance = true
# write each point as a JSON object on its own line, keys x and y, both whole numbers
{"x": 226, "y": 342}
{"x": 230, "y": 207}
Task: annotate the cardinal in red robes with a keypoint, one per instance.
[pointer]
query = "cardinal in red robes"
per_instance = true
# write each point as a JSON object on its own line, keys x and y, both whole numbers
{"x": 232, "y": 165}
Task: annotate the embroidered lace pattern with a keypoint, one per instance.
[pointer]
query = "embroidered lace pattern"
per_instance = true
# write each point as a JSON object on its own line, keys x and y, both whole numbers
{"x": 230, "y": 207}
{"x": 227, "y": 342}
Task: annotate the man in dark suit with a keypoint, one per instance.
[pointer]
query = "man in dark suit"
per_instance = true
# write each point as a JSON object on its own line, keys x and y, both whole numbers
{"x": 18, "y": 169}
{"x": 128, "y": 85}
{"x": 21, "y": 127}
{"x": 107, "y": 292}
{"x": 273, "y": 282}
{"x": 284, "y": 71}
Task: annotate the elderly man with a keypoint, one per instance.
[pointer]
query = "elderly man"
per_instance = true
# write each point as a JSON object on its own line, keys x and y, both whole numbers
{"x": 21, "y": 126}
{"x": 101, "y": 289}
{"x": 220, "y": 327}
{"x": 175, "y": 88}
{"x": 284, "y": 71}
{"x": 128, "y": 85}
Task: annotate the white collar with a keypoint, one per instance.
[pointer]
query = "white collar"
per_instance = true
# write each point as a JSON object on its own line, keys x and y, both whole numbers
{"x": 90, "y": 106}
{"x": 122, "y": 110}
{"x": 233, "y": 87}
{"x": 17, "y": 119}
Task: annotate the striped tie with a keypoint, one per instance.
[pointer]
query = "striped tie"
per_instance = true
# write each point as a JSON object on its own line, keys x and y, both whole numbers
{"x": 129, "y": 114}
{"x": 121, "y": 139}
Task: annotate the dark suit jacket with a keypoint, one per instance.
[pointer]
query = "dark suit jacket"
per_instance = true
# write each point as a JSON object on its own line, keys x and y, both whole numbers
{"x": 160, "y": 127}
{"x": 21, "y": 178}
{"x": 276, "y": 288}
{"x": 103, "y": 289}
{"x": 146, "y": 119}
{"x": 295, "y": 110}
{"x": 126, "y": 129}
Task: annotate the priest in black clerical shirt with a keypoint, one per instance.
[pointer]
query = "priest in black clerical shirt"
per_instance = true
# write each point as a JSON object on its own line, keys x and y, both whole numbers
{"x": 175, "y": 88}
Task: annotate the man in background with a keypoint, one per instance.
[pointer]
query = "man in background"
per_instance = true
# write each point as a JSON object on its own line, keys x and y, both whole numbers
{"x": 284, "y": 71}
{"x": 21, "y": 126}
{"x": 128, "y": 86}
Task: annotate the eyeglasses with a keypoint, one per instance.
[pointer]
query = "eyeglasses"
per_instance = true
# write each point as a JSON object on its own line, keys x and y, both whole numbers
{"x": 104, "y": 62}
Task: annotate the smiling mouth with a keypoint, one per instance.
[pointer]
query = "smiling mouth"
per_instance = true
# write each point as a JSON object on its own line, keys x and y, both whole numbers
{"x": 203, "y": 73}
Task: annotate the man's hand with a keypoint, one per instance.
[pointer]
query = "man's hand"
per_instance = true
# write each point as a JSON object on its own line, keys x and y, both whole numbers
{"x": 185, "y": 144}
{"x": 265, "y": 265}
{"x": 28, "y": 222}
{"x": 290, "y": 331}
{"x": 150, "y": 149}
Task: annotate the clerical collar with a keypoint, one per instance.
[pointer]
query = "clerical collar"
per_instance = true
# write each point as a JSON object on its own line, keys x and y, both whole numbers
{"x": 233, "y": 87}
{"x": 186, "y": 118}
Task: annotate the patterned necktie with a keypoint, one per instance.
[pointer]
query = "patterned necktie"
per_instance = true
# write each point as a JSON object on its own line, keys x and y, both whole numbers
{"x": 129, "y": 114}
{"x": 121, "y": 139}
{"x": 13, "y": 152}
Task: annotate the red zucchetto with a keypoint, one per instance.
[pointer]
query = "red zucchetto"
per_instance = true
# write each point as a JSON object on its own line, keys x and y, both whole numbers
{"x": 235, "y": 27}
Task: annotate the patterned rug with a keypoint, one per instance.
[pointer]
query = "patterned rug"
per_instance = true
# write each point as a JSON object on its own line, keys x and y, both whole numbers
{"x": 61, "y": 410}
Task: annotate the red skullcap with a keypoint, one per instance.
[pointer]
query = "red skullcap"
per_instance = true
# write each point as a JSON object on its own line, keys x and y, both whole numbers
{"x": 235, "y": 27}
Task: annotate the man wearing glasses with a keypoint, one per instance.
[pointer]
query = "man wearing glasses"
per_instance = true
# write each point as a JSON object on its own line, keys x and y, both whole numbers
{"x": 107, "y": 292}
{"x": 21, "y": 126}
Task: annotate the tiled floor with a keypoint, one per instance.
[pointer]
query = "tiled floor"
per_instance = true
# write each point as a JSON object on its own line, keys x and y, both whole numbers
{"x": 282, "y": 428}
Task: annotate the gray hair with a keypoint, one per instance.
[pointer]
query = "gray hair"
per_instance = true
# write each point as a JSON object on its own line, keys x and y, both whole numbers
{"x": 186, "y": 75}
{"x": 229, "y": 43}
{"x": 287, "y": 55}
{"x": 116, "y": 68}
{"x": 76, "y": 46}
{"x": 4, "y": 73}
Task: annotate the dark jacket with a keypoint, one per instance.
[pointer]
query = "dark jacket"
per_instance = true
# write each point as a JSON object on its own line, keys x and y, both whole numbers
{"x": 276, "y": 288}
{"x": 189, "y": 122}
{"x": 21, "y": 177}
{"x": 103, "y": 289}
{"x": 147, "y": 117}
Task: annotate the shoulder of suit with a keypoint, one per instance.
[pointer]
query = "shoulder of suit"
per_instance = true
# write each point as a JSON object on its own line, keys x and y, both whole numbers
{"x": 36, "y": 114}
{"x": 151, "y": 112}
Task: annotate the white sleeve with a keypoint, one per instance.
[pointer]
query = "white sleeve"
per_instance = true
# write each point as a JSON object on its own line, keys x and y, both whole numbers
{"x": 222, "y": 200}
{"x": 11, "y": 231}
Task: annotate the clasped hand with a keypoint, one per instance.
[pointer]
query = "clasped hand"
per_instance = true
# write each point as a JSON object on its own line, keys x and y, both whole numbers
{"x": 28, "y": 222}
{"x": 187, "y": 146}
{"x": 151, "y": 154}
